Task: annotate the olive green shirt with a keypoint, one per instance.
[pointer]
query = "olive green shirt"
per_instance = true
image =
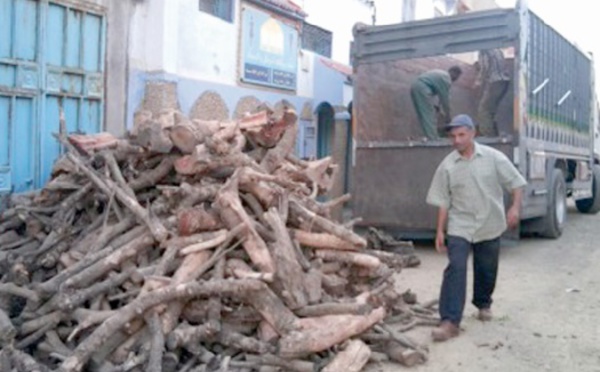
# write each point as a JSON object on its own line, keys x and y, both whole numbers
{"x": 439, "y": 82}
{"x": 472, "y": 192}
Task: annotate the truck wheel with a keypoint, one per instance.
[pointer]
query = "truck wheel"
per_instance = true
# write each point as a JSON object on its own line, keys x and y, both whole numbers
{"x": 556, "y": 215}
{"x": 591, "y": 205}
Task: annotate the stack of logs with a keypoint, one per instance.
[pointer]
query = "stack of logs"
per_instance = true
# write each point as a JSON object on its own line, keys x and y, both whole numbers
{"x": 195, "y": 246}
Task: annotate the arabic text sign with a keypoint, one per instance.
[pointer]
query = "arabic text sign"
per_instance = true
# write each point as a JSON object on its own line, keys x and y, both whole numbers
{"x": 270, "y": 50}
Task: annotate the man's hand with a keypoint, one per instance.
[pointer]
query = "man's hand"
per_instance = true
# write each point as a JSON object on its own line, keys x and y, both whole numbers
{"x": 512, "y": 217}
{"x": 440, "y": 244}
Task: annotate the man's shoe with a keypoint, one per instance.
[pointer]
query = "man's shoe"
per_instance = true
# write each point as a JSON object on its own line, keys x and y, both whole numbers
{"x": 485, "y": 315}
{"x": 444, "y": 331}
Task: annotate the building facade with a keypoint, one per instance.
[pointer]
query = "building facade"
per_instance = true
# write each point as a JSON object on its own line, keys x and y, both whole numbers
{"x": 101, "y": 61}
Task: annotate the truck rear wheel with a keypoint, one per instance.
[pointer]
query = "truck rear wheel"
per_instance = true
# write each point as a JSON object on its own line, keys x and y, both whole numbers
{"x": 591, "y": 205}
{"x": 556, "y": 215}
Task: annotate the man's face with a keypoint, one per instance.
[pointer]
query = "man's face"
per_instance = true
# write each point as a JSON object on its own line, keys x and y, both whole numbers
{"x": 462, "y": 138}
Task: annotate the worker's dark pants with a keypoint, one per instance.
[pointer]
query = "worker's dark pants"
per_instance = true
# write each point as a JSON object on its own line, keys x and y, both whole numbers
{"x": 488, "y": 107}
{"x": 422, "y": 98}
{"x": 454, "y": 286}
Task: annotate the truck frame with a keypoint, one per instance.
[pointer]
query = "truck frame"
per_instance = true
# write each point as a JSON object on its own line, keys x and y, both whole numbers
{"x": 546, "y": 120}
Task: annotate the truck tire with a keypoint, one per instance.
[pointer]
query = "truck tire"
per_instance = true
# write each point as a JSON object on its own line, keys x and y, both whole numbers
{"x": 591, "y": 205}
{"x": 556, "y": 215}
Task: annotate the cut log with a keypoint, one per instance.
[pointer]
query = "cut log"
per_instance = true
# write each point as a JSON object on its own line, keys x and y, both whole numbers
{"x": 291, "y": 277}
{"x": 275, "y": 156}
{"x": 334, "y": 284}
{"x": 190, "y": 290}
{"x": 152, "y": 136}
{"x": 204, "y": 163}
{"x": 7, "y": 329}
{"x": 322, "y": 240}
{"x": 185, "y": 273}
{"x": 215, "y": 304}
{"x": 313, "y": 285}
{"x": 12, "y": 289}
{"x": 52, "y": 285}
{"x": 266, "y": 332}
{"x": 333, "y": 309}
{"x": 298, "y": 211}
{"x": 25, "y": 362}
{"x": 283, "y": 364}
{"x": 154, "y": 175}
{"x": 319, "y": 174}
{"x": 353, "y": 258}
{"x": 108, "y": 187}
{"x": 254, "y": 120}
{"x": 157, "y": 344}
{"x": 110, "y": 262}
{"x": 239, "y": 269}
{"x": 186, "y": 136}
{"x": 270, "y": 135}
{"x": 272, "y": 309}
{"x": 196, "y": 194}
{"x": 405, "y": 356}
{"x": 93, "y": 142}
{"x": 352, "y": 359}
{"x": 69, "y": 302}
{"x": 194, "y": 220}
{"x": 187, "y": 336}
{"x": 320, "y": 333}
{"x": 219, "y": 238}
{"x": 232, "y": 213}
{"x": 8, "y": 237}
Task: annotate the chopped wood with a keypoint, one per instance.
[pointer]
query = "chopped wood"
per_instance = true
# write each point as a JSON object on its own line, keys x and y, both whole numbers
{"x": 322, "y": 240}
{"x": 7, "y": 329}
{"x": 353, "y": 258}
{"x": 193, "y": 245}
{"x": 405, "y": 356}
{"x": 352, "y": 359}
{"x": 291, "y": 277}
{"x": 320, "y": 333}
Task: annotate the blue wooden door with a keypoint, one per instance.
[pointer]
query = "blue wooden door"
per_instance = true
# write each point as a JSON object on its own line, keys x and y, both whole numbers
{"x": 51, "y": 56}
{"x": 19, "y": 88}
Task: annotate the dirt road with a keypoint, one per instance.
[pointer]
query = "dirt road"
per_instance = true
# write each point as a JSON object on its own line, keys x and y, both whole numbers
{"x": 547, "y": 308}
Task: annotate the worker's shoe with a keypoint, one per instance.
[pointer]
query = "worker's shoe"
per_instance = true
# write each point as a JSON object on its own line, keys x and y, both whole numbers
{"x": 485, "y": 315}
{"x": 446, "y": 330}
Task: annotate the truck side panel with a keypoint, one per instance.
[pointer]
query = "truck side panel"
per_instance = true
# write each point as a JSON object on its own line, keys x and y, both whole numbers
{"x": 543, "y": 120}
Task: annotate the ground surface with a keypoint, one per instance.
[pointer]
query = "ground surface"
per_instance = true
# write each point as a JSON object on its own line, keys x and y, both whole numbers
{"x": 547, "y": 307}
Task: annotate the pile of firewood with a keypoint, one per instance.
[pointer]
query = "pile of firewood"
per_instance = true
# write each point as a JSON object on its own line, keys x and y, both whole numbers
{"x": 196, "y": 246}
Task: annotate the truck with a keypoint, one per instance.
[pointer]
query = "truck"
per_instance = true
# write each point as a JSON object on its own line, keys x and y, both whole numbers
{"x": 546, "y": 121}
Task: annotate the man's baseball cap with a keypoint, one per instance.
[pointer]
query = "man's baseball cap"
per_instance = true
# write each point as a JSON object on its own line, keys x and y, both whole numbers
{"x": 461, "y": 120}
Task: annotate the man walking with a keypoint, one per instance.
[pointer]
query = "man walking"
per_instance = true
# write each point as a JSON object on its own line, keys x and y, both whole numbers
{"x": 494, "y": 81}
{"x": 427, "y": 86}
{"x": 467, "y": 188}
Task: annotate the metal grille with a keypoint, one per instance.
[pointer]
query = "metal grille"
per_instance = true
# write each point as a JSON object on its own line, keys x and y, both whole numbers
{"x": 559, "y": 76}
{"x": 219, "y": 8}
{"x": 316, "y": 39}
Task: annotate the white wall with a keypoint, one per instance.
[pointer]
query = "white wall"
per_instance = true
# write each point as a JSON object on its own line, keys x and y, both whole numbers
{"x": 173, "y": 36}
{"x": 207, "y": 45}
{"x": 147, "y": 36}
{"x": 306, "y": 63}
